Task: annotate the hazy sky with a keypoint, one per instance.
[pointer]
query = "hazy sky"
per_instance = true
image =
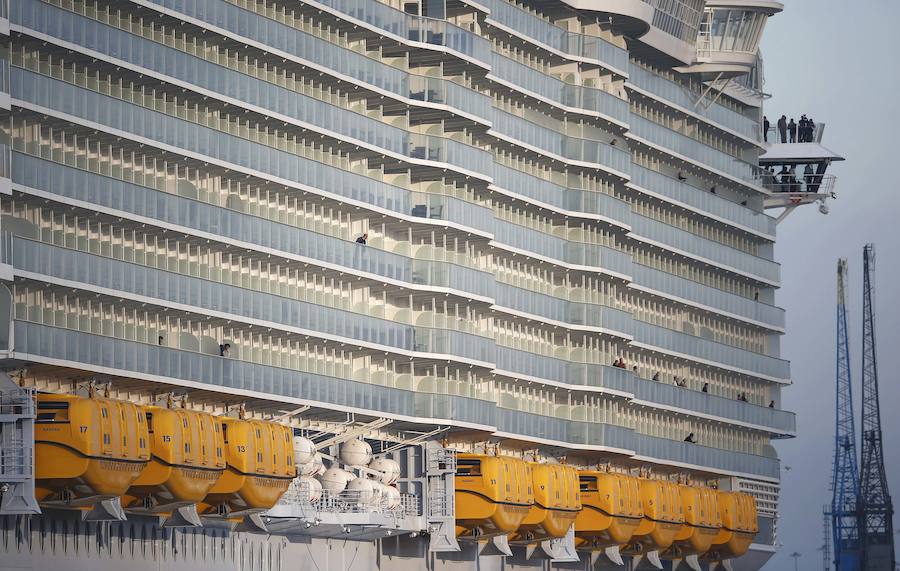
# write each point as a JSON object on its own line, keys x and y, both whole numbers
{"x": 840, "y": 65}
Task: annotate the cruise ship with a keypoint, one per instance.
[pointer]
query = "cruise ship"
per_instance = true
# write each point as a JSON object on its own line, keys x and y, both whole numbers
{"x": 392, "y": 284}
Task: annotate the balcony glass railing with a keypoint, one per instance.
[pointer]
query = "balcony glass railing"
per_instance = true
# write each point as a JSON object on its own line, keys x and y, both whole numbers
{"x": 270, "y": 162}
{"x": 572, "y": 312}
{"x": 94, "y": 351}
{"x": 694, "y": 149}
{"x": 189, "y": 213}
{"x": 534, "y": 425}
{"x": 565, "y": 94}
{"x": 702, "y": 199}
{"x": 705, "y": 248}
{"x": 293, "y": 42}
{"x": 267, "y": 96}
{"x": 708, "y": 296}
{"x": 415, "y": 28}
{"x": 566, "y": 198}
{"x": 579, "y": 45}
{"x": 572, "y": 148}
{"x": 705, "y": 403}
{"x": 210, "y": 295}
{"x": 567, "y": 251}
{"x": 680, "y": 95}
{"x": 716, "y": 459}
{"x": 711, "y": 351}
{"x": 563, "y": 371}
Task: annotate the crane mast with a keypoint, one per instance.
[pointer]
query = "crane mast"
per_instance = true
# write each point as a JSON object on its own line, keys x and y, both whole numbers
{"x": 845, "y": 483}
{"x": 876, "y": 532}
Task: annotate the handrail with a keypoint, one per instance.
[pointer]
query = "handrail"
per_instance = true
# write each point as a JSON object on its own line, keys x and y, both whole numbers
{"x": 818, "y": 131}
{"x": 800, "y": 183}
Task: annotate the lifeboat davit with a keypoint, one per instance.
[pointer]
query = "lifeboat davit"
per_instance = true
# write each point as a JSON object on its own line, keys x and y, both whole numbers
{"x": 612, "y": 511}
{"x": 701, "y": 520}
{"x": 557, "y": 502}
{"x": 737, "y": 512}
{"x": 259, "y": 467}
{"x": 187, "y": 459}
{"x": 493, "y": 494}
{"x": 88, "y": 450}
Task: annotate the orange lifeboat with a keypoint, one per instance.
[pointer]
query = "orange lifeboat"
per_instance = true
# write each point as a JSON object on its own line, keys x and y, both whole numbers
{"x": 611, "y": 511}
{"x": 88, "y": 451}
{"x": 494, "y": 494}
{"x": 737, "y": 512}
{"x": 663, "y": 519}
{"x": 187, "y": 458}
{"x": 259, "y": 468}
{"x": 701, "y": 523}
{"x": 557, "y": 502}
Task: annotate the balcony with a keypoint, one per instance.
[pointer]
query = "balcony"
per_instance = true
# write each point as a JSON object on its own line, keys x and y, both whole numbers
{"x": 233, "y": 376}
{"x": 211, "y": 144}
{"x": 565, "y": 198}
{"x": 687, "y": 98}
{"x": 692, "y": 149}
{"x": 704, "y": 249}
{"x": 565, "y": 251}
{"x": 558, "y": 39}
{"x": 571, "y": 432}
{"x": 141, "y": 201}
{"x": 709, "y": 297}
{"x": 203, "y": 295}
{"x": 294, "y": 43}
{"x": 592, "y": 375}
{"x": 411, "y": 27}
{"x": 576, "y": 98}
{"x": 711, "y": 352}
{"x": 561, "y": 310}
{"x": 568, "y": 148}
{"x": 703, "y": 200}
{"x": 657, "y": 393}
{"x": 715, "y": 459}
{"x": 150, "y": 56}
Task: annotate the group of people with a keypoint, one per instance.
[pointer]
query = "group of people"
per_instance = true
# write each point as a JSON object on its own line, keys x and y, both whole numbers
{"x": 802, "y": 131}
{"x": 787, "y": 180}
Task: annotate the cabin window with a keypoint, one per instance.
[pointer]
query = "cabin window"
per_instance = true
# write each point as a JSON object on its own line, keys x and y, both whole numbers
{"x": 224, "y": 433}
{"x": 53, "y": 412}
{"x": 106, "y": 439}
{"x": 187, "y": 448}
{"x": 184, "y": 421}
{"x": 588, "y": 484}
{"x": 104, "y": 413}
{"x": 468, "y": 467}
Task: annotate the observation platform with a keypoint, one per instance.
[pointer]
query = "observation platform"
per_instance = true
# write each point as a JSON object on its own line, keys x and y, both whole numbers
{"x": 795, "y": 173}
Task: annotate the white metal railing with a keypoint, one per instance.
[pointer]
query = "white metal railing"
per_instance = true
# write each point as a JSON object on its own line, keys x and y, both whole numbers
{"x": 17, "y": 402}
{"x": 348, "y": 501}
{"x": 773, "y": 135}
{"x": 800, "y": 183}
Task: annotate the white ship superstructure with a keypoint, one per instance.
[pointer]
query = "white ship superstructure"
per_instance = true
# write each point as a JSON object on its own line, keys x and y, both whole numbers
{"x": 431, "y": 231}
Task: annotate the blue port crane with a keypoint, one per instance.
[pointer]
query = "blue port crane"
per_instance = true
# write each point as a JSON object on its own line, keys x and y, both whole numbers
{"x": 845, "y": 476}
{"x": 876, "y": 533}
